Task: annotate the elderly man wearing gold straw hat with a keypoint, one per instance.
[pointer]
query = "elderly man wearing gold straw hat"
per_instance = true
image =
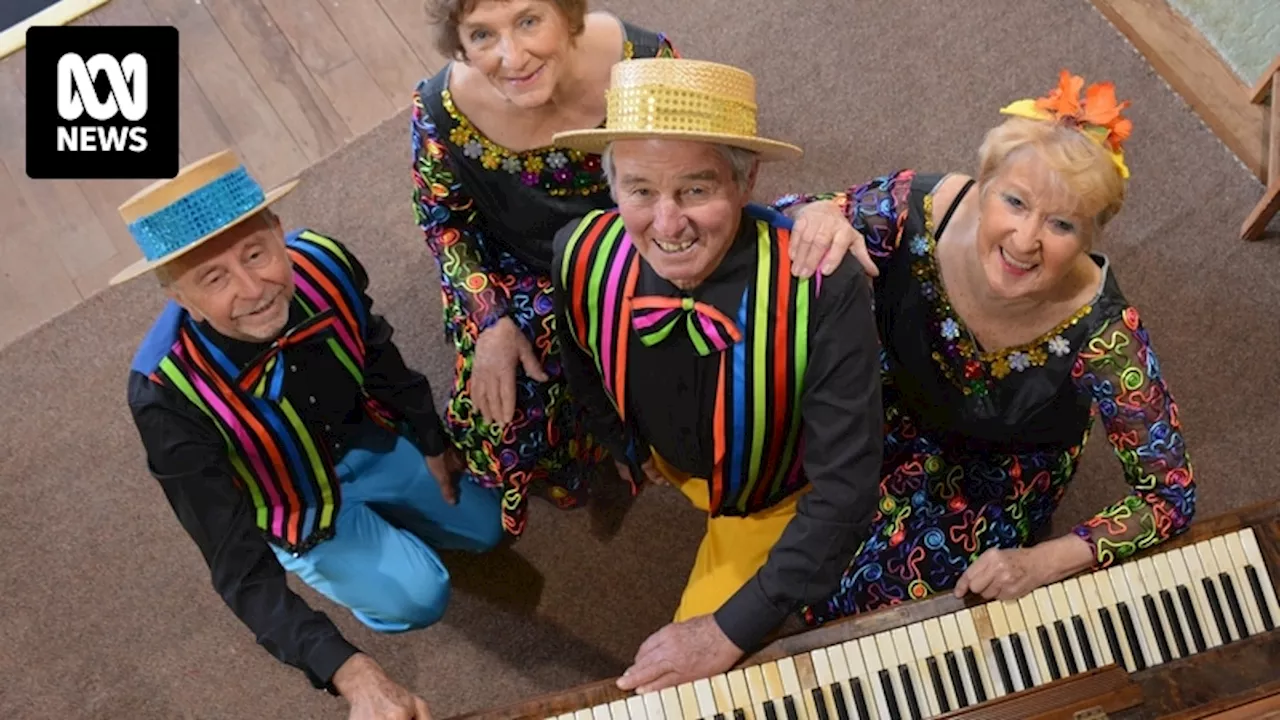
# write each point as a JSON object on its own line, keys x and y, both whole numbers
{"x": 287, "y": 432}
{"x": 703, "y": 363}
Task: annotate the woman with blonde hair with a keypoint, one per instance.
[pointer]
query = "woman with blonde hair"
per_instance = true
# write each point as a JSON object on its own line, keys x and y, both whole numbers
{"x": 1003, "y": 330}
{"x": 490, "y": 191}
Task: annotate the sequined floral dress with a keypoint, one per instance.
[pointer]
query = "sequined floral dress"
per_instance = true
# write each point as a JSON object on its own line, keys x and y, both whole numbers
{"x": 489, "y": 216}
{"x": 981, "y": 444}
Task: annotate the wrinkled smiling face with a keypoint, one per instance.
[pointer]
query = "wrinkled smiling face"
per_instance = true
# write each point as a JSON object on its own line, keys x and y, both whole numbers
{"x": 521, "y": 46}
{"x": 680, "y": 204}
{"x": 1029, "y": 235}
{"x": 241, "y": 282}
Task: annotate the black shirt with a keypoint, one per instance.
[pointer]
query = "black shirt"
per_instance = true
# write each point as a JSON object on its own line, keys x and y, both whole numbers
{"x": 671, "y": 402}
{"x": 188, "y": 457}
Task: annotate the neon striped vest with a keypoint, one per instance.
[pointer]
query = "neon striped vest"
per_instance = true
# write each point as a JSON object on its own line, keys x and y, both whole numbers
{"x": 287, "y": 472}
{"x": 758, "y": 445}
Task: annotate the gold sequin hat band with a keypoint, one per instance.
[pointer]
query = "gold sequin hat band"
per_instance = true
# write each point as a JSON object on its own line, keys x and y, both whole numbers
{"x": 679, "y": 99}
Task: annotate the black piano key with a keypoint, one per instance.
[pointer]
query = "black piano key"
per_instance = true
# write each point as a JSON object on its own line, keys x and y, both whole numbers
{"x": 1131, "y": 634}
{"x": 1055, "y": 673}
{"x": 1113, "y": 639}
{"x": 1215, "y": 606}
{"x": 1086, "y": 649}
{"x": 770, "y": 712}
{"x": 909, "y": 689}
{"x": 971, "y": 659}
{"x": 1255, "y": 582}
{"x": 820, "y": 704}
{"x": 953, "y": 669}
{"x": 1157, "y": 628}
{"x": 739, "y": 714}
{"x": 1193, "y": 619}
{"x": 859, "y": 699}
{"x": 1002, "y": 665}
{"x": 935, "y": 676}
{"x": 1020, "y": 658}
{"x": 719, "y": 716}
{"x": 890, "y": 697}
{"x": 1060, "y": 629}
{"x": 1175, "y": 624}
{"x": 789, "y": 707}
{"x": 837, "y": 699}
{"x": 1233, "y": 604}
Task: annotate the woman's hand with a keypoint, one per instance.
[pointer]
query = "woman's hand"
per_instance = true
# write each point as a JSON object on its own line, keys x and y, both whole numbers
{"x": 822, "y": 234}
{"x": 499, "y": 350}
{"x": 1009, "y": 574}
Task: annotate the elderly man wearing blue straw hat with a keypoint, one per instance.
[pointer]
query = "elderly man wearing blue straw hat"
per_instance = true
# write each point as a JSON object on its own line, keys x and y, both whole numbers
{"x": 702, "y": 362}
{"x": 287, "y": 432}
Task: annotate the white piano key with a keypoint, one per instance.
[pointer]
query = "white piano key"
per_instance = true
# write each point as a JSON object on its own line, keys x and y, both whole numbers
{"x": 618, "y": 710}
{"x": 911, "y": 690}
{"x": 583, "y": 714}
{"x": 955, "y": 651}
{"x": 859, "y": 685}
{"x": 1127, "y": 574}
{"x": 1023, "y": 651}
{"x": 1088, "y": 645}
{"x": 1044, "y": 605}
{"x": 1093, "y": 604}
{"x": 937, "y": 651}
{"x": 889, "y": 660}
{"x": 757, "y": 689}
{"x": 671, "y": 704}
{"x": 706, "y": 701}
{"x": 724, "y": 698}
{"x": 689, "y": 702}
{"x": 1244, "y": 588}
{"x": 740, "y": 694}
{"x": 1227, "y": 629}
{"x": 1160, "y": 621}
{"x": 1012, "y": 682}
{"x": 1227, "y": 566}
{"x": 1253, "y": 556}
{"x": 975, "y": 657}
{"x": 1111, "y": 600}
{"x": 791, "y": 687}
{"x": 1064, "y": 633}
{"x": 1037, "y": 649}
{"x": 651, "y": 706}
{"x": 808, "y": 682}
{"x": 1169, "y": 598}
{"x": 874, "y": 688}
{"x": 927, "y": 694}
{"x": 1187, "y": 589}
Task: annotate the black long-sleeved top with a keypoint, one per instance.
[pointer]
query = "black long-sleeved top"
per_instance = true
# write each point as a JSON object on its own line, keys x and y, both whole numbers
{"x": 188, "y": 457}
{"x": 671, "y": 404}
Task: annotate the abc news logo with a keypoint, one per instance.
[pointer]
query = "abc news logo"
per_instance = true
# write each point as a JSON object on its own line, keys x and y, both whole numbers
{"x": 102, "y": 102}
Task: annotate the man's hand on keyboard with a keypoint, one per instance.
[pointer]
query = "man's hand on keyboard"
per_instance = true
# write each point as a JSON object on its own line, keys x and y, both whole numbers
{"x": 679, "y": 653}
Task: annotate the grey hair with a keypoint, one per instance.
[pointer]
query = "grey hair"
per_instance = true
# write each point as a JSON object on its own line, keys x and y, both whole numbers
{"x": 741, "y": 161}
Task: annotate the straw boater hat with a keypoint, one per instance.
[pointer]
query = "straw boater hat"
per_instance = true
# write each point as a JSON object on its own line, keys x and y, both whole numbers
{"x": 680, "y": 99}
{"x": 170, "y": 218}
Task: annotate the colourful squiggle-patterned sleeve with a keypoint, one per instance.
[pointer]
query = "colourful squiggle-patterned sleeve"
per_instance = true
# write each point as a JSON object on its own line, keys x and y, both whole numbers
{"x": 1118, "y": 369}
{"x": 877, "y": 210}
{"x": 446, "y": 213}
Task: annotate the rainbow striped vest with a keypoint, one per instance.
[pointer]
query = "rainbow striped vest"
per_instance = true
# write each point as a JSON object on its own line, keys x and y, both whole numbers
{"x": 287, "y": 471}
{"x": 758, "y": 444}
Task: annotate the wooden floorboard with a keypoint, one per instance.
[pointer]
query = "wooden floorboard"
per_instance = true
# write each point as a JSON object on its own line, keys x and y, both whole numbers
{"x": 1186, "y": 60}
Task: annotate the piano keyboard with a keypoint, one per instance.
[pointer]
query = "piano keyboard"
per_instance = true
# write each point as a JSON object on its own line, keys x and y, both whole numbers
{"x": 1138, "y": 614}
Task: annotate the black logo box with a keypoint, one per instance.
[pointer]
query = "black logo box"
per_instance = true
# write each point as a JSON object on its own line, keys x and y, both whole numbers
{"x": 45, "y": 47}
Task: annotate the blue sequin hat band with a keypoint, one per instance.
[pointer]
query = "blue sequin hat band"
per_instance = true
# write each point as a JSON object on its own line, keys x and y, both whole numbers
{"x": 171, "y": 217}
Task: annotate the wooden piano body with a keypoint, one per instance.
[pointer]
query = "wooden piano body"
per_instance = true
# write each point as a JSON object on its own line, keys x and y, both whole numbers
{"x": 1188, "y": 629}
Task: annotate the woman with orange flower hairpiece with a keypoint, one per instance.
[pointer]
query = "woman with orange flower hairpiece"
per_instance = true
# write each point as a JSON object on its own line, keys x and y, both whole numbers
{"x": 1002, "y": 332}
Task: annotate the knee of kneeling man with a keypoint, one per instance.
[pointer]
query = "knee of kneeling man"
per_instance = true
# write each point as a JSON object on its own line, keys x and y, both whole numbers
{"x": 489, "y": 534}
{"x": 426, "y": 603}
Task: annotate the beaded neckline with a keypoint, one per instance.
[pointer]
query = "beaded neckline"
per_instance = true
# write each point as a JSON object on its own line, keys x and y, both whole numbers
{"x": 972, "y": 370}
{"x": 559, "y": 171}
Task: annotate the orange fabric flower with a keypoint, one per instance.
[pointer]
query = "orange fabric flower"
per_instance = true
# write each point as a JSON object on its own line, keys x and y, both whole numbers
{"x": 1097, "y": 116}
{"x": 1064, "y": 100}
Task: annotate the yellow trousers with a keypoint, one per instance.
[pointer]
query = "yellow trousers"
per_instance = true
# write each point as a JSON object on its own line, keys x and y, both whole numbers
{"x": 733, "y": 549}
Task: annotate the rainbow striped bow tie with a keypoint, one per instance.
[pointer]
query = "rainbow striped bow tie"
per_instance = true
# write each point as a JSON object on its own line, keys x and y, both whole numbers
{"x": 710, "y": 330}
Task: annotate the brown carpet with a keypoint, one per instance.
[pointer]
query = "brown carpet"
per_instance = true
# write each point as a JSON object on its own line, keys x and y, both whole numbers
{"x": 106, "y": 609}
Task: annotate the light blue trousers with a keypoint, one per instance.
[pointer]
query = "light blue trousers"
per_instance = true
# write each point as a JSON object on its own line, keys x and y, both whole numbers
{"x": 380, "y": 563}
